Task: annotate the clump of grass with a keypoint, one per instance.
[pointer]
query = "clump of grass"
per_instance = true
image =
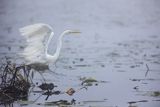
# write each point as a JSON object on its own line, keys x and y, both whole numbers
{"x": 14, "y": 82}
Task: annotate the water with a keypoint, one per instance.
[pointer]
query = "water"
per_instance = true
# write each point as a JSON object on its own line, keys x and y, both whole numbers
{"x": 119, "y": 38}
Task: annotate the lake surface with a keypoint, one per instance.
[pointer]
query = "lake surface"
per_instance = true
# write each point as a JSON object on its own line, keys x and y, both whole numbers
{"x": 119, "y": 47}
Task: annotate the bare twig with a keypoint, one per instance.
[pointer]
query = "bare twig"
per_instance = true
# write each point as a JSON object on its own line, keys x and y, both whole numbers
{"x": 147, "y": 70}
{"x": 7, "y": 95}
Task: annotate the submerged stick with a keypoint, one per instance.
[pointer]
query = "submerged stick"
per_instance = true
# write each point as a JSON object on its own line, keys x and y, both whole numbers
{"x": 147, "y": 70}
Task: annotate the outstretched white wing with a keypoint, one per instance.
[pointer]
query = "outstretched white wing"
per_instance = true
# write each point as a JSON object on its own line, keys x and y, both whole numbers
{"x": 36, "y": 36}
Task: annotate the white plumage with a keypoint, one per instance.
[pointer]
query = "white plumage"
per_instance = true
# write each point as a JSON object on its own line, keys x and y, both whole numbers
{"x": 38, "y": 37}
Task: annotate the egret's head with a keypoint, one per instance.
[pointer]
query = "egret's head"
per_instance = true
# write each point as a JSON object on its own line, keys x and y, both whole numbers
{"x": 72, "y": 32}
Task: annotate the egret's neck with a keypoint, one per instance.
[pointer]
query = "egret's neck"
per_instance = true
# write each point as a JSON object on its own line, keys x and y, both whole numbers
{"x": 49, "y": 40}
{"x": 59, "y": 45}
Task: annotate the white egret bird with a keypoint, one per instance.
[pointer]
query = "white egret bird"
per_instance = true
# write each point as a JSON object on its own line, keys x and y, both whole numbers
{"x": 38, "y": 37}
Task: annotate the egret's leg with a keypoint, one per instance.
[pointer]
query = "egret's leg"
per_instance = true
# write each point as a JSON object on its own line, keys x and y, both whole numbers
{"x": 53, "y": 69}
{"x": 42, "y": 77}
{"x": 30, "y": 74}
{"x": 55, "y": 74}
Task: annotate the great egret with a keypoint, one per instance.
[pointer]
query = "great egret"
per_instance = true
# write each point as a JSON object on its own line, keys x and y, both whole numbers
{"x": 38, "y": 37}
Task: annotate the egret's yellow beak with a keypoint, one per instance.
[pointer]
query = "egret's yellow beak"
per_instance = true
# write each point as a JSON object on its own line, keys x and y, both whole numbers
{"x": 75, "y": 31}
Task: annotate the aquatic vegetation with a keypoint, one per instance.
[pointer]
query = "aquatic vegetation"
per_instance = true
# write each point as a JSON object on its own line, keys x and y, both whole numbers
{"x": 61, "y": 103}
{"x": 14, "y": 83}
{"x": 88, "y": 81}
{"x": 155, "y": 94}
{"x": 132, "y": 103}
{"x": 47, "y": 86}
